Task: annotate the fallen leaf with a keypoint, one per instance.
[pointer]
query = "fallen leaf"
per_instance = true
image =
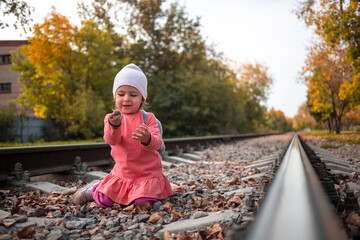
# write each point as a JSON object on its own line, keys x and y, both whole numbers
{"x": 153, "y": 237}
{"x": 49, "y": 215}
{"x": 26, "y": 231}
{"x": 175, "y": 216}
{"x": 353, "y": 219}
{"x": 94, "y": 230}
{"x": 236, "y": 181}
{"x": 180, "y": 237}
{"x": 209, "y": 184}
{"x": 168, "y": 207}
{"x": 93, "y": 205}
{"x": 129, "y": 208}
{"x": 234, "y": 201}
{"x": 154, "y": 218}
{"x": 167, "y": 235}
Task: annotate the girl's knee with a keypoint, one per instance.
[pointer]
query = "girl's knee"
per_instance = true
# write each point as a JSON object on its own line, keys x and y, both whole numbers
{"x": 101, "y": 199}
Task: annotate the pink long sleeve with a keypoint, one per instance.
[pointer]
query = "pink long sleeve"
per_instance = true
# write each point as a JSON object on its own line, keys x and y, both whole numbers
{"x": 112, "y": 135}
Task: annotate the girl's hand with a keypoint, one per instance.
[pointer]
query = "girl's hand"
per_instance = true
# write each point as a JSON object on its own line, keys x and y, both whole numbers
{"x": 142, "y": 134}
{"x": 115, "y": 118}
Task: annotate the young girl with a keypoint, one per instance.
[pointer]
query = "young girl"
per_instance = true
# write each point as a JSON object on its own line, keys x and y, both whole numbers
{"x": 137, "y": 175}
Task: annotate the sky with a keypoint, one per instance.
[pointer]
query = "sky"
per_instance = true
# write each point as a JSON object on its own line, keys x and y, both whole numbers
{"x": 245, "y": 31}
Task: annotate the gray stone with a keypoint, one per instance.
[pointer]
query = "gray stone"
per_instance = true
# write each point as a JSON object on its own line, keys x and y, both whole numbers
{"x": 4, "y": 214}
{"x": 39, "y": 212}
{"x": 79, "y": 214}
{"x": 98, "y": 237}
{"x": 74, "y": 236}
{"x": 46, "y": 187}
{"x": 56, "y": 235}
{"x": 134, "y": 226}
{"x": 68, "y": 216}
{"x": 57, "y": 214}
{"x": 20, "y": 218}
{"x": 226, "y": 216}
{"x": 94, "y": 175}
{"x": 4, "y": 229}
{"x": 75, "y": 224}
{"x": 230, "y": 194}
{"x": 115, "y": 229}
{"x": 158, "y": 206}
{"x": 143, "y": 217}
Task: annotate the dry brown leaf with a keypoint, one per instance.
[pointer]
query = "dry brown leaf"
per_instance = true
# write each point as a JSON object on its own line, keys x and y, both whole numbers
{"x": 195, "y": 236}
{"x": 26, "y": 231}
{"x": 175, "y": 216}
{"x": 180, "y": 237}
{"x": 61, "y": 224}
{"x": 93, "y": 205}
{"x": 145, "y": 206}
{"x": 209, "y": 184}
{"x": 353, "y": 219}
{"x": 49, "y": 215}
{"x": 129, "y": 208}
{"x": 154, "y": 218}
{"x": 215, "y": 231}
{"x": 167, "y": 235}
{"x": 94, "y": 230}
{"x": 40, "y": 234}
{"x": 168, "y": 207}
{"x": 251, "y": 172}
{"x": 153, "y": 237}
{"x": 236, "y": 181}
{"x": 234, "y": 201}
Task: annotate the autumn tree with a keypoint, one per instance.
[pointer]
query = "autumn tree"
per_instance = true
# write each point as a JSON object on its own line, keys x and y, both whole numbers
{"x": 327, "y": 75}
{"x": 337, "y": 24}
{"x": 303, "y": 118}
{"x": 67, "y": 74}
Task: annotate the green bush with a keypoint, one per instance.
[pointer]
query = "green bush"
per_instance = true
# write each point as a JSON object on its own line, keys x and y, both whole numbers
{"x": 8, "y": 122}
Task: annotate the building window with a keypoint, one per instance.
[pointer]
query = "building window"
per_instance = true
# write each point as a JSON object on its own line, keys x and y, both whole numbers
{"x": 5, "y": 59}
{"x": 5, "y": 87}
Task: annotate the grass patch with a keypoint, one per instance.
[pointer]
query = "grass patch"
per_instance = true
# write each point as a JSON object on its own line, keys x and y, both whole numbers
{"x": 328, "y": 145}
{"x": 43, "y": 143}
{"x": 351, "y": 137}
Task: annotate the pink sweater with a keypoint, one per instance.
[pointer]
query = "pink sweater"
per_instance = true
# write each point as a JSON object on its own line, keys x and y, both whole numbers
{"x": 138, "y": 170}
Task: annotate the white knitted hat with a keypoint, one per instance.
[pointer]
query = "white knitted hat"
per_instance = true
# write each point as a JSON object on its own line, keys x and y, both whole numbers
{"x": 133, "y": 76}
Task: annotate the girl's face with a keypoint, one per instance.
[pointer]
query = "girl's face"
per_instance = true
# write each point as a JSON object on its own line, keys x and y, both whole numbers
{"x": 128, "y": 99}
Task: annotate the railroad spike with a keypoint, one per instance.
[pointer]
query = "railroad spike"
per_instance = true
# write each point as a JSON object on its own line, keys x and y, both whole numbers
{"x": 18, "y": 177}
{"x": 79, "y": 168}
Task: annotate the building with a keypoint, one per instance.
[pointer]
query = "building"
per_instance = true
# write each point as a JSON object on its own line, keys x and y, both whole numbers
{"x": 28, "y": 128}
{"x": 9, "y": 86}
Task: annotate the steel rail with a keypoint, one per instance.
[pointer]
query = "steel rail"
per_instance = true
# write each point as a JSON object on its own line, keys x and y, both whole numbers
{"x": 39, "y": 160}
{"x": 296, "y": 206}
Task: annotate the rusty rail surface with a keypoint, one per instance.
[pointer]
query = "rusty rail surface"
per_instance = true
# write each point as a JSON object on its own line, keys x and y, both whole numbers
{"x": 39, "y": 160}
{"x": 296, "y": 206}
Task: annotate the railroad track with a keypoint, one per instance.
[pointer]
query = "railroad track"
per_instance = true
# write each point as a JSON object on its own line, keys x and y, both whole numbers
{"x": 40, "y": 160}
{"x": 226, "y": 187}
